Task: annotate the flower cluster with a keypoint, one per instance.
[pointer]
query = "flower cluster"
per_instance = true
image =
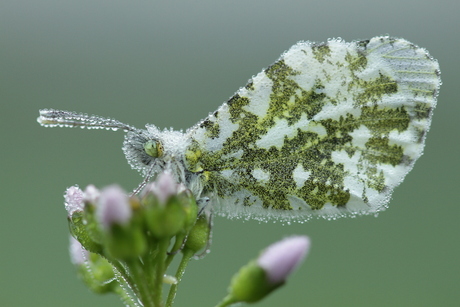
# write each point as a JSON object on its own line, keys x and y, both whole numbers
{"x": 124, "y": 244}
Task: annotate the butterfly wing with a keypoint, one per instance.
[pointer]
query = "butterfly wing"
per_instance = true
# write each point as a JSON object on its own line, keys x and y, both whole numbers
{"x": 327, "y": 130}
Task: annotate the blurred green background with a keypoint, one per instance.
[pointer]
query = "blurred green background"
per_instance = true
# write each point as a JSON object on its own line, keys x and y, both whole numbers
{"x": 170, "y": 63}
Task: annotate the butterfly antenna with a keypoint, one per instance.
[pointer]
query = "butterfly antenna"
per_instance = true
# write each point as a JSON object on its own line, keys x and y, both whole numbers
{"x": 59, "y": 118}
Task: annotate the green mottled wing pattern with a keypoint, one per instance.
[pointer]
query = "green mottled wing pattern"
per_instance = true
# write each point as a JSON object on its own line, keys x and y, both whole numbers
{"x": 328, "y": 130}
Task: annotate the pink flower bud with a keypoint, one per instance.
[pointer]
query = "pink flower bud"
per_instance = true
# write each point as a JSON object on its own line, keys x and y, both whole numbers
{"x": 91, "y": 194}
{"x": 163, "y": 187}
{"x": 281, "y": 258}
{"x": 113, "y": 207}
{"x": 73, "y": 200}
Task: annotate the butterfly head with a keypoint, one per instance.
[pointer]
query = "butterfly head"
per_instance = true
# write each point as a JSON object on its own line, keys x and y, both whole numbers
{"x": 151, "y": 150}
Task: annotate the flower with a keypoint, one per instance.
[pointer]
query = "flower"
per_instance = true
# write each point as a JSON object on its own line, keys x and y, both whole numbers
{"x": 91, "y": 194}
{"x": 281, "y": 258}
{"x": 268, "y": 272}
{"x": 163, "y": 187}
{"x": 113, "y": 207}
{"x": 169, "y": 207}
{"x": 73, "y": 200}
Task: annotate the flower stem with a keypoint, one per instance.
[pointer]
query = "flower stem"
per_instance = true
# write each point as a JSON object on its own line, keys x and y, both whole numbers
{"x": 227, "y": 301}
{"x": 187, "y": 255}
{"x": 175, "y": 249}
{"x": 128, "y": 281}
{"x": 149, "y": 267}
{"x": 160, "y": 271}
{"x": 145, "y": 295}
{"x": 125, "y": 292}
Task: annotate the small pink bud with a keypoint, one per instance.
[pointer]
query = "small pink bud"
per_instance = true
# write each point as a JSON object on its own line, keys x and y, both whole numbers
{"x": 73, "y": 200}
{"x": 163, "y": 187}
{"x": 91, "y": 194}
{"x": 113, "y": 207}
{"x": 281, "y": 258}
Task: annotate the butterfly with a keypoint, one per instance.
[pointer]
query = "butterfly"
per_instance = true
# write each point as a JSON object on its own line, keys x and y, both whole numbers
{"x": 328, "y": 130}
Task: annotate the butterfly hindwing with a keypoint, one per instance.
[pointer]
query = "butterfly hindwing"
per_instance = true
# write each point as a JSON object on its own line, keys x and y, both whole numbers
{"x": 328, "y": 130}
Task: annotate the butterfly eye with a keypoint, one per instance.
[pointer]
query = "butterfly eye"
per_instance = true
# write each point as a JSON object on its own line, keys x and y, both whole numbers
{"x": 153, "y": 149}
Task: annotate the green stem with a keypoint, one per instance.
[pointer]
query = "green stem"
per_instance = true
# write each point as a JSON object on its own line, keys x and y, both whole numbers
{"x": 149, "y": 261}
{"x": 175, "y": 249}
{"x": 227, "y": 301}
{"x": 124, "y": 293}
{"x": 187, "y": 255}
{"x": 126, "y": 277}
{"x": 145, "y": 295}
{"x": 160, "y": 271}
